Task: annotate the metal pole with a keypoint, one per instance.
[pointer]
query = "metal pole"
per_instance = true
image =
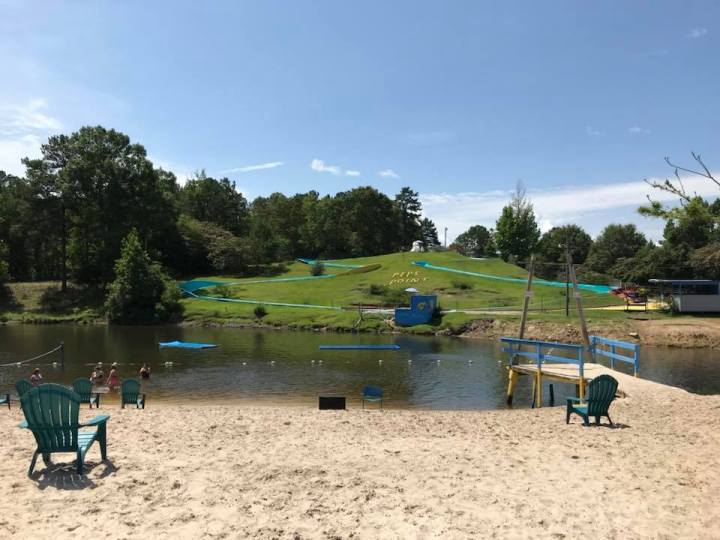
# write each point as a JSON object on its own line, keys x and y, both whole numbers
{"x": 62, "y": 355}
{"x": 445, "y": 236}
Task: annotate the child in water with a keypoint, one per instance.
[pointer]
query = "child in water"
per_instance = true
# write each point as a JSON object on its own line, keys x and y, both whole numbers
{"x": 36, "y": 377}
{"x": 97, "y": 376}
{"x": 145, "y": 371}
{"x": 113, "y": 380}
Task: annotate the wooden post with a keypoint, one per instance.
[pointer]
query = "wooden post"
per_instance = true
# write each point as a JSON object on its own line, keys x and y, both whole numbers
{"x": 526, "y": 300}
{"x": 62, "y": 355}
{"x": 512, "y": 379}
{"x": 538, "y": 388}
{"x": 578, "y": 300}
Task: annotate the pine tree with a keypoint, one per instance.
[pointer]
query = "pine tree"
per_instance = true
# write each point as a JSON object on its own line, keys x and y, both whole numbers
{"x": 141, "y": 292}
{"x": 516, "y": 231}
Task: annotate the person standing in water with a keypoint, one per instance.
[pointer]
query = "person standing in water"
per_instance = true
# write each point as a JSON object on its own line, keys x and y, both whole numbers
{"x": 36, "y": 377}
{"x": 113, "y": 379}
{"x": 145, "y": 371}
{"x": 97, "y": 377}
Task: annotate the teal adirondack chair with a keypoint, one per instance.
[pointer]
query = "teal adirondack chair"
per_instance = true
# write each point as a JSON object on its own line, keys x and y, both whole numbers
{"x": 130, "y": 394}
{"x": 5, "y": 398}
{"x": 83, "y": 388}
{"x": 22, "y": 386}
{"x": 51, "y": 413}
{"x": 600, "y": 393}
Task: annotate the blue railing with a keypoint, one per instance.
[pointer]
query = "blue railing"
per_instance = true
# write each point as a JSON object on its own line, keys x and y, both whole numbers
{"x": 609, "y": 348}
{"x": 540, "y": 352}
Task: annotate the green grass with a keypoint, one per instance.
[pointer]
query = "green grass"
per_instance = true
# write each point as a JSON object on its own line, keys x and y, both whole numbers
{"x": 44, "y": 303}
{"x": 455, "y": 291}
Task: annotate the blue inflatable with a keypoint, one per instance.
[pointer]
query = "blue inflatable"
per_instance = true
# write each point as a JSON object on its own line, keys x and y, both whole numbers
{"x": 187, "y": 345}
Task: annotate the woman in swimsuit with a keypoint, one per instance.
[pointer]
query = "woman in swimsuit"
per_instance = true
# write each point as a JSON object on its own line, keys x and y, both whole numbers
{"x": 113, "y": 379}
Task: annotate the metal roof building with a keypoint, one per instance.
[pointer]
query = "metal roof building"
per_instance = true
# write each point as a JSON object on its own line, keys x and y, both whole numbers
{"x": 691, "y": 295}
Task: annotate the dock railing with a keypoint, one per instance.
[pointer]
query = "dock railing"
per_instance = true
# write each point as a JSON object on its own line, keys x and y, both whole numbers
{"x": 610, "y": 348}
{"x": 540, "y": 352}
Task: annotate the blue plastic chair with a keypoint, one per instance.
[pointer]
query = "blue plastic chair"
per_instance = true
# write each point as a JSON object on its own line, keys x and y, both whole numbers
{"x": 372, "y": 394}
{"x": 5, "y": 398}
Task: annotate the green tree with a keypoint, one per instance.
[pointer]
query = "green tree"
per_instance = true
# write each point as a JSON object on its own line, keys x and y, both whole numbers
{"x": 477, "y": 241}
{"x": 516, "y": 231}
{"x": 141, "y": 292}
{"x": 408, "y": 209}
{"x": 705, "y": 261}
{"x": 215, "y": 201}
{"x": 554, "y": 242}
{"x": 428, "y": 233}
{"x": 615, "y": 242}
{"x": 101, "y": 186}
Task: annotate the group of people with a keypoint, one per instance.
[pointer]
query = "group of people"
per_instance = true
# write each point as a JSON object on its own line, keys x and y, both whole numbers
{"x": 97, "y": 377}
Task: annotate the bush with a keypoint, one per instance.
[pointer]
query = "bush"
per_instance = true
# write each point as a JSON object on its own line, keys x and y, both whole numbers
{"x": 260, "y": 311}
{"x": 378, "y": 290}
{"x": 462, "y": 285}
{"x": 141, "y": 292}
{"x": 221, "y": 290}
{"x": 317, "y": 269}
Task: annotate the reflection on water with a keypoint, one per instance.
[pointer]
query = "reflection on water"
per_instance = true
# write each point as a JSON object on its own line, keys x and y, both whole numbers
{"x": 431, "y": 373}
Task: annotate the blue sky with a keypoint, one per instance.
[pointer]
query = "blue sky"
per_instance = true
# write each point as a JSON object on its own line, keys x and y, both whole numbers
{"x": 460, "y": 100}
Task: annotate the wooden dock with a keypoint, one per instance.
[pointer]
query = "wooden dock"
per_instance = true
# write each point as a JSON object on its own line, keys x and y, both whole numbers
{"x": 565, "y": 373}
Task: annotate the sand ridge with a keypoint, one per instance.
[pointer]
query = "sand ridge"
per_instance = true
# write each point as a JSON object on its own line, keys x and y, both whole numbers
{"x": 238, "y": 471}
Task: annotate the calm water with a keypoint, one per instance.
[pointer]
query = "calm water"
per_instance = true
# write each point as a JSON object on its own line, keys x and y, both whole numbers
{"x": 430, "y": 373}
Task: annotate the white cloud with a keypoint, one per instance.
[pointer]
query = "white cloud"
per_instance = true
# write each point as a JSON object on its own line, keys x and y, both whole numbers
{"x": 13, "y": 150}
{"x": 23, "y": 128}
{"x": 389, "y": 173}
{"x": 26, "y": 118}
{"x": 589, "y": 130}
{"x": 697, "y": 32}
{"x": 320, "y": 166}
{"x": 591, "y": 207}
{"x": 352, "y": 173}
{"x": 637, "y": 130}
{"x": 259, "y": 167}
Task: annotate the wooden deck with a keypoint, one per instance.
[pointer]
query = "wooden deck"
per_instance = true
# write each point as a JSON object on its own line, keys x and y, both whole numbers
{"x": 567, "y": 373}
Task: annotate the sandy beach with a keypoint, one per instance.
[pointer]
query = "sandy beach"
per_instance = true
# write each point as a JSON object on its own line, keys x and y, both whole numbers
{"x": 237, "y": 471}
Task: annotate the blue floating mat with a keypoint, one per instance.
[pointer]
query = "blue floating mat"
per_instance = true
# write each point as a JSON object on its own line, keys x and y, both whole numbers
{"x": 361, "y": 347}
{"x": 187, "y": 345}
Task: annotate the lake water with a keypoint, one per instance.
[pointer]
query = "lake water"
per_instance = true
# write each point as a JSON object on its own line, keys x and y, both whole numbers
{"x": 287, "y": 367}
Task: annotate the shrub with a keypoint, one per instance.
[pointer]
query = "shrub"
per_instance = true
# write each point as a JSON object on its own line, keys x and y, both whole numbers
{"x": 462, "y": 285}
{"x": 260, "y": 311}
{"x": 222, "y": 291}
{"x": 376, "y": 289}
{"x": 317, "y": 269}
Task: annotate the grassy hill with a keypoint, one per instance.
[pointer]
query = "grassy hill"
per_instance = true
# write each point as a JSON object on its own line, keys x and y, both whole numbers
{"x": 382, "y": 286}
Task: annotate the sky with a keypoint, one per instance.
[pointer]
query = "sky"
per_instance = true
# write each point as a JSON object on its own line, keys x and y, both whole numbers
{"x": 460, "y": 100}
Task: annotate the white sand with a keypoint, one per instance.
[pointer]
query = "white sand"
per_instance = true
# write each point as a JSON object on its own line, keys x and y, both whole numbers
{"x": 233, "y": 471}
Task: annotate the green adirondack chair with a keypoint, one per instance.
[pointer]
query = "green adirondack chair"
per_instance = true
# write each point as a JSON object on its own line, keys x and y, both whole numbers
{"x": 600, "y": 394}
{"x": 5, "y": 398}
{"x": 130, "y": 394}
{"x": 22, "y": 386}
{"x": 83, "y": 388}
{"x": 51, "y": 413}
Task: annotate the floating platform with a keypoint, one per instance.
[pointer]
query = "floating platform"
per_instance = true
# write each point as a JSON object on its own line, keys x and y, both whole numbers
{"x": 360, "y": 347}
{"x": 187, "y": 345}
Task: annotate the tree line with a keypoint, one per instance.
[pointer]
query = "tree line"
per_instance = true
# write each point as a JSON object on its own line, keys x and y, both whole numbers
{"x": 689, "y": 249}
{"x": 68, "y": 216}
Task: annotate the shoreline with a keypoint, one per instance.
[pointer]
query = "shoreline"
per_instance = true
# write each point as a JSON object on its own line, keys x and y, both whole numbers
{"x": 677, "y": 332}
{"x": 296, "y": 472}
